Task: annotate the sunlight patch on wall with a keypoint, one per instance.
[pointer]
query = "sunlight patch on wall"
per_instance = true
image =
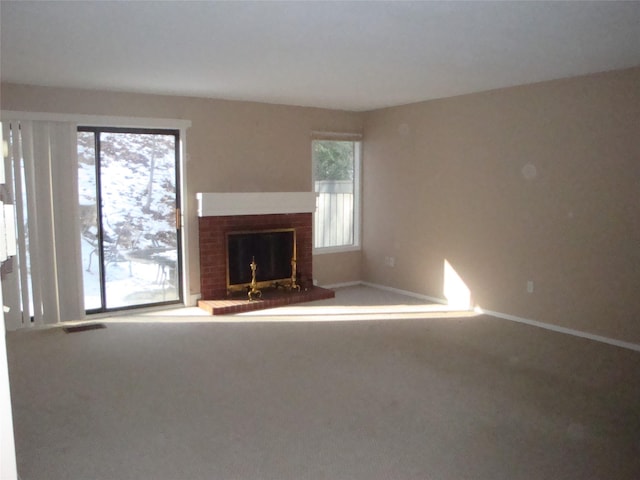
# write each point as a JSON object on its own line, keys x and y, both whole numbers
{"x": 455, "y": 291}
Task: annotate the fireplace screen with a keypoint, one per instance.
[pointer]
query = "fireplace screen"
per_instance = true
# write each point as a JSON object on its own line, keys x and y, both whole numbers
{"x": 272, "y": 251}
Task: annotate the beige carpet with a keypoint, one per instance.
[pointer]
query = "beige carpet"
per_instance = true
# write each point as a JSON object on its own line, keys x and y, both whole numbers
{"x": 453, "y": 398}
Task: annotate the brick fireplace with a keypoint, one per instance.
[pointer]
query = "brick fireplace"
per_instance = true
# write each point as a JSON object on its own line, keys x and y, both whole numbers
{"x": 213, "y": 231}
{"x": 222, "y": 213}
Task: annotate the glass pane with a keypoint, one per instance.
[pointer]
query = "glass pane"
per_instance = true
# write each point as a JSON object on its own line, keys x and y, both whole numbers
{"x": 87, "y": 198}
{"x": 334, "y": 168}
{"x": 333, "y": 160}
{"x": 140, "y": 241}
{"x": 27, "y": 236}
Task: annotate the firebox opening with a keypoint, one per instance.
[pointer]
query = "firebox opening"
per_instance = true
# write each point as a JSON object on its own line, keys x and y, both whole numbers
{"x": 273, "y": 252}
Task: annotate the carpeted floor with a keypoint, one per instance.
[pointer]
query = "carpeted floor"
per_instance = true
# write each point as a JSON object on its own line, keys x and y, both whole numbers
{"x": 169, "y": 397}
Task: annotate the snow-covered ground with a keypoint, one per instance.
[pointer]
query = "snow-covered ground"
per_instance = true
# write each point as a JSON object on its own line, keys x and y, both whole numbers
{"x": 128, "y": 282}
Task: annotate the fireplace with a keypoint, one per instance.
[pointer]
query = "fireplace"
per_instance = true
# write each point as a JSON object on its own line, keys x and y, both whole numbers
{"x": 214, "y": 231}
{"x": 262, "y": 258}
{"x": 271, "y": 228}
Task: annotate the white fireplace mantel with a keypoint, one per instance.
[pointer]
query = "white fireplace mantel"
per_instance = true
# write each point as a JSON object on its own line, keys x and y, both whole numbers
{"x": 255, "y": 203}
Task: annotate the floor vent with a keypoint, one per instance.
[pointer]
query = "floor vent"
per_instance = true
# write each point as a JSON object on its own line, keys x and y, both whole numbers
{"x": 83, "y": 328}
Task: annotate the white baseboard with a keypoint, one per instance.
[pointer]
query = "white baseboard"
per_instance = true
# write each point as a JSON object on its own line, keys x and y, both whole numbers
{"x": 442, "y": 301}
{"x": 506, "y": 316}
{"x": 342, "y": 285}
{"x": 565, "y": 330}
{"x": 388, "y": 289}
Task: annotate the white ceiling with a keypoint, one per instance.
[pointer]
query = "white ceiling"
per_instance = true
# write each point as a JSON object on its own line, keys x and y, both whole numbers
{"x": 346, "y": 55}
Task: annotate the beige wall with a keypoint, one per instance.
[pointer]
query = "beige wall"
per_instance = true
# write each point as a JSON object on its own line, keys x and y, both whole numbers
{"x": 231, "y": 146}
{"x": 337, "y": 268}
{"x": 444, "y": 180}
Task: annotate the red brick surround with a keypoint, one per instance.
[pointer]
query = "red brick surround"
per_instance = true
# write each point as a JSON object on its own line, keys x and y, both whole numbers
{"x": 212, "y": 234}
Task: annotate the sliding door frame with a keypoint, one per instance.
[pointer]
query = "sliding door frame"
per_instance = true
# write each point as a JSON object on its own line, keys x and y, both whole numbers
{"x": 178, "y": 206}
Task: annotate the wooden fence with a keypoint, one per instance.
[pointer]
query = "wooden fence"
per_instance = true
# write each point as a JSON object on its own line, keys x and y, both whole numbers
{"x": 334, "y": 213}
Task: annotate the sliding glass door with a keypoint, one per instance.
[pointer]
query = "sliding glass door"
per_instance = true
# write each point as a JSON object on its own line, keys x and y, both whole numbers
{"x": 129, "y": 212}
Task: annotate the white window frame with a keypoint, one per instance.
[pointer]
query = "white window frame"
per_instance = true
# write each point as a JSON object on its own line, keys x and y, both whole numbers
{"x": 356, "y": 138}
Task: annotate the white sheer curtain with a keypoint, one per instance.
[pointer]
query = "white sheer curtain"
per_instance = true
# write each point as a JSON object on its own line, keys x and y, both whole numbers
{"x": 44, "y": 285}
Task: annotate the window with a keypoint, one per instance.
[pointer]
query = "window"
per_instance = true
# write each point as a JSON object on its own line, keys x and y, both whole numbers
{"x": 336, "y": 179}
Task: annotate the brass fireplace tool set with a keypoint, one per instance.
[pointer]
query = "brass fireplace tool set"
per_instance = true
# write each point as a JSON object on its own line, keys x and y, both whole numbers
{"x": 253, "y": 290}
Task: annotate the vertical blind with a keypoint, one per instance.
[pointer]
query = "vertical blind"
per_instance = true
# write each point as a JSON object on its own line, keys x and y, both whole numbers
{"x": 44, "y": 284}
